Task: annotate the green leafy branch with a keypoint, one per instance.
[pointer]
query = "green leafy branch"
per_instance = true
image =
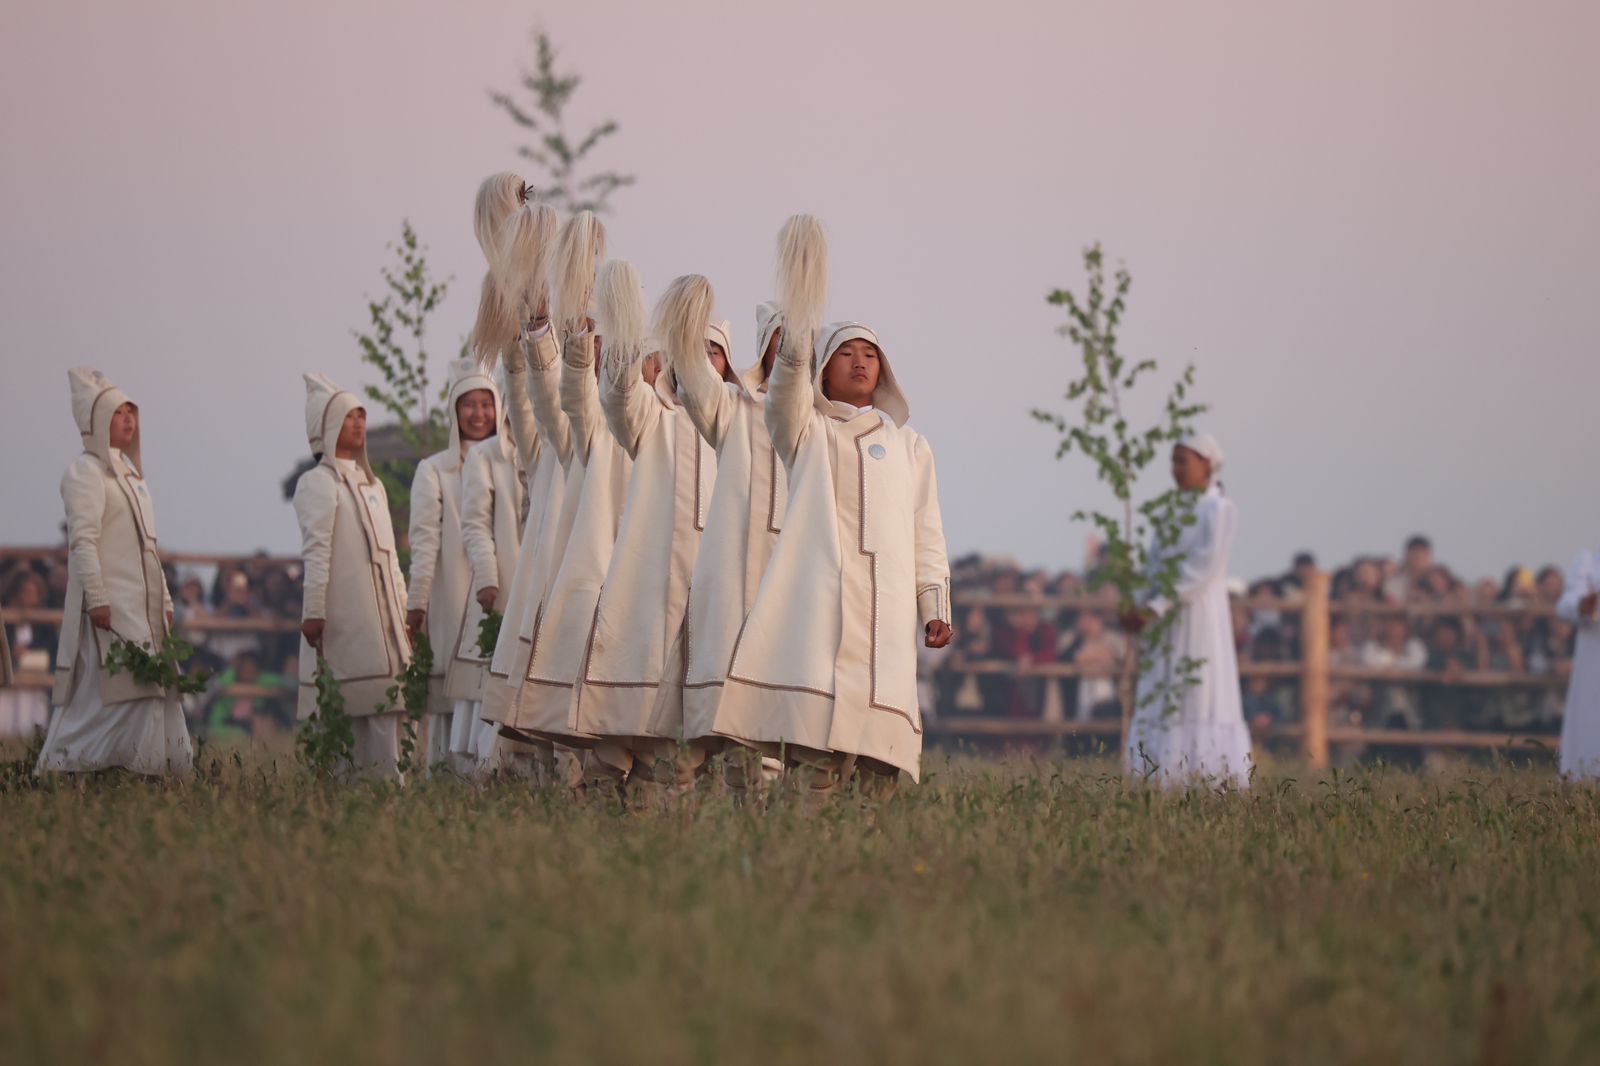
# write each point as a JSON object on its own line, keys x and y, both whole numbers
{"x": 553, "y": 150}
{"x": 410, "y": 693}
{"x": 489, "y": 632}
{"x": 327, "y": 740}
{"x": 161, "y": 666}
{"x": 1140, "y": 539}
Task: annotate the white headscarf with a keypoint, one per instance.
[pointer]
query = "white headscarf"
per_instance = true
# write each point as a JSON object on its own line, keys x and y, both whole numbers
{"x": 1206, "y": 447}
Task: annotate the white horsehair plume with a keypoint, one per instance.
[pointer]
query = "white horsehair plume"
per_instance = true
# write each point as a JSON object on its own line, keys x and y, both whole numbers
{"x": 680, "y": 321}
{"x": 802, "y": 280}
{"x": 499, "y": 196}
{"x": 621, "y": 318}
{"x": 496, "y": 328}
{"x": 527, "y": 248}
{"x": 580, "y": 249}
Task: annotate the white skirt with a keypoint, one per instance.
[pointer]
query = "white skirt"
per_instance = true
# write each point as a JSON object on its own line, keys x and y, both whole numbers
{"x": 145, "y": 736}
{"x": 1176, "y": 752}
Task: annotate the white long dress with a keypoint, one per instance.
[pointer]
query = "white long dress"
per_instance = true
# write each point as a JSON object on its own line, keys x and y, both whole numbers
{"x": 1580, "y": 728}
{"x": 1204, "y": 738}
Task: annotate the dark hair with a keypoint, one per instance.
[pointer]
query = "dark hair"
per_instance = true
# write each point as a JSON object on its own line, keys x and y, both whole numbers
{"x": 1304, "y": 559}
{"x": 1418, "y": 541}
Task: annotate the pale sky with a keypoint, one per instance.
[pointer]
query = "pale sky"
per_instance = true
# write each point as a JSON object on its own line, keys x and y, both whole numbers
{"x": 1372, "y": 226}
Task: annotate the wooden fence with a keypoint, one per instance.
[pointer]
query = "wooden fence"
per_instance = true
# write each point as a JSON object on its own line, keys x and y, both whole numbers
{"x": 1314, "y": 674}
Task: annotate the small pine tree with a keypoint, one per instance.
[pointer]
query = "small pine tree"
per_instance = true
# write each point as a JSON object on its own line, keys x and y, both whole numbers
{"x": 553, "y": 151}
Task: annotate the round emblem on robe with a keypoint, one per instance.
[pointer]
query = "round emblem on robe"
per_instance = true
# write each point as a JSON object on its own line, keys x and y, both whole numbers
{"x": 877, "y": 451}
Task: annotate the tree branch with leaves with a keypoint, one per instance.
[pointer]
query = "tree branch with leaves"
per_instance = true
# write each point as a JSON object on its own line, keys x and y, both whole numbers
{"x": 1140, "y": 558}
{"x": 557, "y": 153}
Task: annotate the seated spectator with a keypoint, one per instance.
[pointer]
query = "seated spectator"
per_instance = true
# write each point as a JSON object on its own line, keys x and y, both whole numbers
{"x": 1267, "y": 701}
{"x": 1025, "y": 638}
{"x": 1405, "y": 583}
{"x": 32, "y": 645}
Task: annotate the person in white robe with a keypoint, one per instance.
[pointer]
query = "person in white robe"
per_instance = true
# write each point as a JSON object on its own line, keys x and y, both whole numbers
{"x": 825, "y": 668}
{"x": 355, "y": 595}
{"x": 1201, "y": 738}
{"x": 630, "y": 691}
{"x": 439, "y": 592}
{"x": 493, "y": 499}
{"x": 1580, "y": 726}
{"x": 742, "y": 525}
{"x": 546, "y": 705}
{"x": 116, "y": 589}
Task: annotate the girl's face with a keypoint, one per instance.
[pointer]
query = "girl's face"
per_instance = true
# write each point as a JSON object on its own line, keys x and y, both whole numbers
{"x": 124, "y": 426}
{"x": 851, "y": 375}
{"x": 718, "y": 357}
{"x": 475, "y": 415}
{"x": 1190, "y": 470}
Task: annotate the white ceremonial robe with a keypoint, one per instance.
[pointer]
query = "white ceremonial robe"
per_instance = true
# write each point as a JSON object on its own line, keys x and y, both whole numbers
{"x": 104, "y": 721}
{"x": 748, "y": 501}
{"x": 492, "y": 500}
{"x": 440, "y": 577}
{"x": 827, "y": 659}
{"x": 545, "y": 706}
{"x": 544, "y": 444}
{"x": 1205, "y": 738}
{"x": 1580, "y": 726}
{"x": 352, "y": 582}
{"x": 631, "y": 686}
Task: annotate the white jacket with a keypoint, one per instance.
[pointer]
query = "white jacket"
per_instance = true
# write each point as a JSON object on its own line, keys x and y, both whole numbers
{"x": 745, "y": 517}
{"x": 827, "y": 659}
{"x": 632, "y": 680}
{"x": 112, "y": 558}
{"x": 544, "y": 706}
{"x": 492, "y": 503}
{"x": 352, "y": 573}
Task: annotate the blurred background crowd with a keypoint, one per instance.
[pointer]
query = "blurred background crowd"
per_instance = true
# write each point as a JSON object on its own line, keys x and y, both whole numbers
{"x": 1438, "y": 651}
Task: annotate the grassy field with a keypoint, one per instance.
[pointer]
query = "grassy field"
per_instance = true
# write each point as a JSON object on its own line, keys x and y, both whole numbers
{"x": 1002, "y": 911}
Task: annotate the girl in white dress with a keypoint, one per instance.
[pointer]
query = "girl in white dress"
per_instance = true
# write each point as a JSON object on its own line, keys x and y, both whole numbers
{"x": 1204, "y": 737}
{"x": 1580, "y": 728}
{"x": 115, "y": 589}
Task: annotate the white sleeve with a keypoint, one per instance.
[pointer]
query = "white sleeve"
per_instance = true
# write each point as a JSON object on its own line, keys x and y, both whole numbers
{"x": 477, "y": 519}
{"x": 427, "y": 534}
{"x": 83, "y": 491}
{"x": 932, "y": 558}
{"x": 580, "y": 393}
{"x": 631, "y": 407}
{"x": 544, "y": 391}
{"x": 1207, "y": 561}
{"x": 708, "y": 399}
{"x": 790, "y": 400}
{"x": 316, "y": 505}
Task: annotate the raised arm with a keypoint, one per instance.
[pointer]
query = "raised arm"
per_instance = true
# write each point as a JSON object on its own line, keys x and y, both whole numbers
{"x": 932, "y": 558}
{"x": 1207, "y": 560}
{"x": 631, "y": 407}
{"x": 708, "y": 399}
{"x": 427, "y": 517}
{"x": 580, "y": 392}
{"x": 790, "y": 397}
{"x": 477, "y": 519}
{"x": 83, "y": 491}
{"x": 316, "y": 503}
{"x": 543, "y": 361}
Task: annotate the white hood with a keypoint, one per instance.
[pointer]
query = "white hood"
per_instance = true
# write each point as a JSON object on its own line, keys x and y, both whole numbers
{"x": 326, "y": 407}
{"x": 94, "y": 401}
{"x": 887, "y": 397}
{"x": 464, "y": 376}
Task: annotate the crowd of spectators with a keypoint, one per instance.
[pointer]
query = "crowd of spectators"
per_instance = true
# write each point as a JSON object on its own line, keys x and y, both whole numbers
{"x": 1484, "y": 654}
{"x": 1408, "y": 616}
{"x": 241, "y": 616}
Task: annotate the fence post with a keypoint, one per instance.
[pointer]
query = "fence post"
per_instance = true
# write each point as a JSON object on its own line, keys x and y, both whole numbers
{"x": 1314, "y": 625}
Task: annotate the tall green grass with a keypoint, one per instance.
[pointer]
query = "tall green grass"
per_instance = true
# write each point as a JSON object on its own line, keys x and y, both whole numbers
{"x": 1020, "y": 911}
